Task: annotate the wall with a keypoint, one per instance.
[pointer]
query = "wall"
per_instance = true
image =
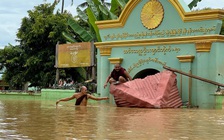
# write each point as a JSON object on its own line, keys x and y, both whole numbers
{"x": 184, "y": 40}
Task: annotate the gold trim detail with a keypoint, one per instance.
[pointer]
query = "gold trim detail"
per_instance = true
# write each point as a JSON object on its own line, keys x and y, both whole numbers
{"x": 203, "y": 46}
{"x": 186, "y": 58}
{"x": 115, "y": 60}
{"x": 197, "y": 15}
{"x": 185, "y": 16}
{"x": 160, "y": 41}
{"x": 105, "y": 51}
{"x": 152, "y": 14}
{"x": 122, "y": 18}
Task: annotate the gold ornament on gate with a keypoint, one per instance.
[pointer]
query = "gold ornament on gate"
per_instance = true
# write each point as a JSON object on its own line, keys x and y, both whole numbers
{"x": 152, "y": 14}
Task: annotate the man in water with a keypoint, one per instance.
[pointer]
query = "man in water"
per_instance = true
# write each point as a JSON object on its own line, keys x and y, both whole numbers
{"x": 118, "y": 75}
{"x": 82, "y": 97}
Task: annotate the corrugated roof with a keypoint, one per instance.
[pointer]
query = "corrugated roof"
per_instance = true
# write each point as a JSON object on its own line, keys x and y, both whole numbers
{"x": 155, "y": 91}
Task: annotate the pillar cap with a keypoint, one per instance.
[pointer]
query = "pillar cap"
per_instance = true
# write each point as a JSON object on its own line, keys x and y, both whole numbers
{"x": 203, "y": 46}
{"x": 117, "y": 60}
{"x": 186, "y": 58}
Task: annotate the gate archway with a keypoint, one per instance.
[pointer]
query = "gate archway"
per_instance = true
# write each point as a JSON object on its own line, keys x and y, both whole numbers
{"x": 143, "y": 73}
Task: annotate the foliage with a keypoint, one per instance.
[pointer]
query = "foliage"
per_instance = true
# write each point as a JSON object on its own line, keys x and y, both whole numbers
{"x": 222, "y": 29}
{"x": 79, "y": 30}
{"x": 12, "y": 58}
{"x": 94, "y": 10}
{"x": 38, "y": 34}
{"x": 33, "y": 60}
{"x": 193, "y": 3}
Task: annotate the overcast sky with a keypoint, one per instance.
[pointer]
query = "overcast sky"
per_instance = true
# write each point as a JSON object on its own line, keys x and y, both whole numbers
{"x": 11, "y": 14}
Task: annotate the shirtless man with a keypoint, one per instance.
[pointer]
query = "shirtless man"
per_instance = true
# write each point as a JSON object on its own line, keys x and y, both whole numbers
{"x": 82, "y": 97}
{"x": 118, "y": 75}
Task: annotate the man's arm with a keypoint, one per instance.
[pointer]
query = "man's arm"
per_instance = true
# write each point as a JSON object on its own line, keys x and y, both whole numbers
{"x": 107, "y": 80}
{"x": 66, "y": 99}
{"x": 97, "y": 98}
{"x": 127, "y": 75}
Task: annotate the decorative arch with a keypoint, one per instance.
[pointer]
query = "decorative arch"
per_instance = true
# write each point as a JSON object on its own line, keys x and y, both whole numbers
{"x": 146, "y": 72}
{"x": 185, "y": 16}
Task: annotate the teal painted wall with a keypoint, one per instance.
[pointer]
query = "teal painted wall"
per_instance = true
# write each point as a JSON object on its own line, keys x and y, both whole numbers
{"x": 208, "y": 65}
{"x": 56, "y": 94}
{"x": 172, "y": 20}
{"x": 19, "y": 96}
{"x": 45, "y": 95}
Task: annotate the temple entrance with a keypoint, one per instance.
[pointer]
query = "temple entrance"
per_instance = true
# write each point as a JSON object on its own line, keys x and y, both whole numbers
{"x": 142, "y": 74}
{"x": 189, "y": 46}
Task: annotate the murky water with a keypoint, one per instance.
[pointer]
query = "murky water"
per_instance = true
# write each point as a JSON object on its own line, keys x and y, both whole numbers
{"x": 41, "y": 120}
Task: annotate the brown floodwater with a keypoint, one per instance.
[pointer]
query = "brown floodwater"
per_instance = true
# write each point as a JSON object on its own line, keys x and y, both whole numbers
{"x": 41, "y": 120}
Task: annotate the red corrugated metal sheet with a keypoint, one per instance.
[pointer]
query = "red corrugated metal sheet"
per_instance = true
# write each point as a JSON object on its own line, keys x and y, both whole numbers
{"x": 156, "y": 91}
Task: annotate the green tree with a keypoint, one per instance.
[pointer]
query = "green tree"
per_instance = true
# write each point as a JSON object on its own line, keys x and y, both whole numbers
{"x": 12, "y": 58}
{"x": 38, "y": 35}
{"x": 33, "y": 60}
{"x": 93, "y": 10}
{"x": 117, "y": 6}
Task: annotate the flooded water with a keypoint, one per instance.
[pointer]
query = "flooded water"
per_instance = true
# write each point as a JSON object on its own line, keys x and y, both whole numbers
{"x": 41, "y": 120}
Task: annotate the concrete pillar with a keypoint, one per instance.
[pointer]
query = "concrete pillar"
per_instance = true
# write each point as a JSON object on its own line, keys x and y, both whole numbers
{"x": 203, "y": 49}
{"x": 203, "y": 87}
{"x": 186, "y": 82}
{"x": 105, "y": 71}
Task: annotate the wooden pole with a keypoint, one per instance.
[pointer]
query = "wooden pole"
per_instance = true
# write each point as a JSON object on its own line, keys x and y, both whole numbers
{"x": 193, "y": 76}
{"x": 62, "y": 6}
{"x": 93, "y": 66}
{"x": 189, "y": 89}
{"x": 56, "y": 64}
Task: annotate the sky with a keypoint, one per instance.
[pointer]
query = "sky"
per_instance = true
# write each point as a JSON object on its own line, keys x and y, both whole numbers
{"x": 11, "y": 14}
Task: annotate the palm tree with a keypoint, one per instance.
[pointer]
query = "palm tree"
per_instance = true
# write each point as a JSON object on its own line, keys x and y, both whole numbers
{"x": 63, "y": 4}
{"x": 85, "y": 4}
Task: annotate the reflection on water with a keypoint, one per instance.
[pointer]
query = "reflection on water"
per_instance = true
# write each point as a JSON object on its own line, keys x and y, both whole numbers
{"x": 41, "y": 120}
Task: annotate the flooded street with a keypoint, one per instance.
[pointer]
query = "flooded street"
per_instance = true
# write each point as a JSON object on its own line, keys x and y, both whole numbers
{"x": 41, "y": 120}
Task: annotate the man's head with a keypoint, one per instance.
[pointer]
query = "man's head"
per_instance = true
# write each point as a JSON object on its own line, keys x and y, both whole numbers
{"x": 83, "y": 89}
{"x": 117, "y": 67}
